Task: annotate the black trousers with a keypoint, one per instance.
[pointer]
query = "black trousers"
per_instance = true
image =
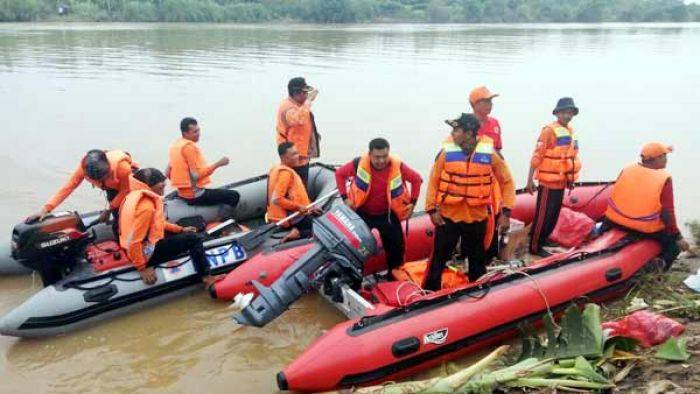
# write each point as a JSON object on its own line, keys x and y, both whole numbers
{"x": 546, "y": 215}
{"x": 214, "y": 197}
{"x": 389, "y": 227}
{"x": 305, "y": 227}
{"x": 669, "y": 248}
{"x": 115, "y": 212}
{"x": 446, "y": 238}
{"x": 176, "y": 245}
{"x": 303, "y": 172}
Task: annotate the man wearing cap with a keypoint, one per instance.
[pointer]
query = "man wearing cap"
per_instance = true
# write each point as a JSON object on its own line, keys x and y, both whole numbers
{"x": 106, "y": 170}
{"x": 379, "y": 194}
{"x": 480, "y": 99}
{"x": 642, "y": 201}
{"x": 459, "y": 194}
{"x": 295, "y": 124}
{"x": 556, "y": 166}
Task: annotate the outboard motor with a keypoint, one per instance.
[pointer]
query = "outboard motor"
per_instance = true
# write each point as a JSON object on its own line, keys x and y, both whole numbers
{"x": 343, "y": 244}
{"x": 50, "y": 245}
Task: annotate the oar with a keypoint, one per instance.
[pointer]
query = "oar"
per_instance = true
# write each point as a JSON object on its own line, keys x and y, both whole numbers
{"x": 256, "y": 237}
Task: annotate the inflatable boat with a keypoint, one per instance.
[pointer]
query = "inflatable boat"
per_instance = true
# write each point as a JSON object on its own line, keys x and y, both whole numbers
{"x": 391, "y": 342}
{"x": 589, "y": 198}
{"x": 101, "y": 282}
{"x": 249, "y": 212}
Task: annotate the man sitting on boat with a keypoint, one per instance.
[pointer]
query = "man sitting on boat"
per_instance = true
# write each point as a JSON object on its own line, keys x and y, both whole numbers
{"x": 106, "y": 170}
{"x": 459, "y": 194}
{"x": 189, "y": 173}
{"x": 642, "y": 201}
{"x": 379, "y": 195}
{"x": 142, "y": 228}
{"x": 286, "y": 193}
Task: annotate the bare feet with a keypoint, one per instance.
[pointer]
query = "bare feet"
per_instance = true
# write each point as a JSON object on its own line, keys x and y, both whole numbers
{"x": 292, "y": 235}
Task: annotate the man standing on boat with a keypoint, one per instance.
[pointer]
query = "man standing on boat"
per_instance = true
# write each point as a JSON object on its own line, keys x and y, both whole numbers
{"x": 459, "y": 196}
{"x": 142, "y": 228}
{"x": 189, "y": 172}
{"x": 556, "y": 166}
{"x": 286, "y": 193}
{"x": 481, "y": 101}
{"x": 379, "y": 195}
{"x": 642, "y": 201}
{"x": 295, "y": 123}
{"x": 106, "y": 170}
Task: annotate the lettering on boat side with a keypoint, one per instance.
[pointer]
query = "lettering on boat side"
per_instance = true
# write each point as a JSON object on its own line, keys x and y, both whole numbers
{"x": 437, "y": 337}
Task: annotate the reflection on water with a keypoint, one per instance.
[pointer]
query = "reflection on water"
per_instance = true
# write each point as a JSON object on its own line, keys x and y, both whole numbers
{"x": 65, "y": 89}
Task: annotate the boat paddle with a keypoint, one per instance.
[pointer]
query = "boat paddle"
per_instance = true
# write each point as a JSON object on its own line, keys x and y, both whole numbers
{"x": 256, "y": 237}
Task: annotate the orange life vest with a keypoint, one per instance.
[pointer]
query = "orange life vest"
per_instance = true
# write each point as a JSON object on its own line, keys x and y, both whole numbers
{"x": 415, "y": 272}
{"x": 467, "y": 177}
{"x": 635, "y": 201}
{"x": 115, "y": 158}
{"x": 396, "y": 192}
{"x": 296, "y": 193}
{"x": 180, "y": 176}
{"x": 304, "y": 136}
{"x": 127, "y": 215}
{"x": 560, "y": 163}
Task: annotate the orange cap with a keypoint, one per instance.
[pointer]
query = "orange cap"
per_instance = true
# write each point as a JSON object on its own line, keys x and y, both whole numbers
{"x": 480, "y": 93}
{"x": 653, "y": 150}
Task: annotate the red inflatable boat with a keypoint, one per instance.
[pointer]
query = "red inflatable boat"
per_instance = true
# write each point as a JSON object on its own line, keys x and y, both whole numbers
{"x": 589, "y": 198}
{"x": 393, "y": 342}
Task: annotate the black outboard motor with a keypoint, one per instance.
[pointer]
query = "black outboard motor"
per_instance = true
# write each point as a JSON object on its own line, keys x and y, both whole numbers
{"x": 51, "y": 245}
{"x": 343, "y": 244}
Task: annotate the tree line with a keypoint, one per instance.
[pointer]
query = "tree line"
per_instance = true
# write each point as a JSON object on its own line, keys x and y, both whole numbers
{"x": 352, "y": 11}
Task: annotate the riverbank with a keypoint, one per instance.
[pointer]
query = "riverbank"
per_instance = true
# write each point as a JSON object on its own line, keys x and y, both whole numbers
{"x": 353, "y": 11}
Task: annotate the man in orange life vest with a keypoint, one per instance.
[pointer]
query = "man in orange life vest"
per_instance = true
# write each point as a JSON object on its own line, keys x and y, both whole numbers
{"x": 286, "y": 194}
{"x": 142, "y": 228}
{"x": 189, "y": 173}
{"x": 379, "y": 195}
{"x": 295, "y": 123}
{"x": 459, "y": 196}
{"x": 556, "y": 166}
{"x": 481, "y": 100}
{"x": 642, "y": 201}
{"x": 106, "y": 170}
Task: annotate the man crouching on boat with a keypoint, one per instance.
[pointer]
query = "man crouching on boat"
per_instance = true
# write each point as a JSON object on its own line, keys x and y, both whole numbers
{"x": 142, "y": 228}
{"x": 642, "y": 201}
{"x": 286, "y": 194}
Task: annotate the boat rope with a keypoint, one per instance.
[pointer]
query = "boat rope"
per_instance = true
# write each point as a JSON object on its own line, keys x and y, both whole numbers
{"x": 521, "y": 271}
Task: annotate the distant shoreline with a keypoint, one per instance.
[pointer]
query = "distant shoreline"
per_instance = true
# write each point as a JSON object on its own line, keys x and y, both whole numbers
{"x": 351, "y": 11}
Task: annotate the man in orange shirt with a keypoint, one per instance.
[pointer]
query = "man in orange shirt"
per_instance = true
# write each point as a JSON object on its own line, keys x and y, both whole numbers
{"x": 481, "y": 101}
{"x": 142, "y": 228}
{"x": 189, "y": 172}
{"x": 295, "y": 123}
{"x": 555, "y": 164}
{"x": 106, "y": 170}
{"x": 642, "y": 201}
{"x": 459, "y": 196}
{"x": 286, "y": 193}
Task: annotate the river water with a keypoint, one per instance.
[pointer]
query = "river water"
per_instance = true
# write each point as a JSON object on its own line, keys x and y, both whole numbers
{"x": 65, "y": 89}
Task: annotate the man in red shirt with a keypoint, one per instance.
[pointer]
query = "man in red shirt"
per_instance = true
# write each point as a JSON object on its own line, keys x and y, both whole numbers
{"x": 480, "y": 99}
{"x": 379, "y": 195}
{"x": 642, "y": 201}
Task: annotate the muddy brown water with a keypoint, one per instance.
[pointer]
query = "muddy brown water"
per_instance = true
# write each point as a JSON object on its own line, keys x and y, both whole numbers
{"x": 65, "y": 89}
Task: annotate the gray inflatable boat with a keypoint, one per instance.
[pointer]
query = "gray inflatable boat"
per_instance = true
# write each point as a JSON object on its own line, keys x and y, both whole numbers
{"x": 102, "y": 284}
